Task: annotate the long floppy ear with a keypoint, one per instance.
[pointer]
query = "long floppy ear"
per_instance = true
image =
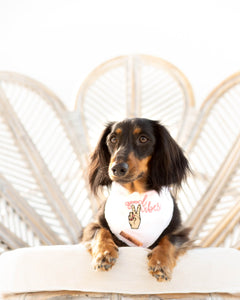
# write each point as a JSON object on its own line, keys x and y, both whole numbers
{"x": 99, "y": 161}
{"x": 168, "y": 165}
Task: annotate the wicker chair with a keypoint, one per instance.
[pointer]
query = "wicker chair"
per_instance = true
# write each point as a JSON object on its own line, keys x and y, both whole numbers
{"x": 50, "y": 180}
{"x": 44, "y": 193}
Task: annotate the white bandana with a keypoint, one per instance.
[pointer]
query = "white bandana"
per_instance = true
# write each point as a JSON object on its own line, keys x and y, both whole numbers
{"x": 138, "y": 219}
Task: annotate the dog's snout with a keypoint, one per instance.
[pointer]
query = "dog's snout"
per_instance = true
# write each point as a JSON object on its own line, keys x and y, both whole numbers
{"x": 119, "y": 169}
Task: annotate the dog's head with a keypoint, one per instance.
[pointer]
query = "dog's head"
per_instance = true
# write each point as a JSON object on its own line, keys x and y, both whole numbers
{"x": 139, "y": 154}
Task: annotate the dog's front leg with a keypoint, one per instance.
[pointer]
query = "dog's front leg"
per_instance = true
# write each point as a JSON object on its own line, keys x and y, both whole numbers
{"x": 103, "y": 250}
{"x": 162, "y": 260}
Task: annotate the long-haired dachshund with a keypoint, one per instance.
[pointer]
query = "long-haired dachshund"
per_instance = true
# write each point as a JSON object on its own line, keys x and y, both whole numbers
{"x": 141, "y": 163}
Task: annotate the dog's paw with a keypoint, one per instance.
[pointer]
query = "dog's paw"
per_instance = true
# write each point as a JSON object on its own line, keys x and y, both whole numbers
{"x": 158, "y": 270}
{"x": 162, "y": 260}
{"x": 104, "y": 260}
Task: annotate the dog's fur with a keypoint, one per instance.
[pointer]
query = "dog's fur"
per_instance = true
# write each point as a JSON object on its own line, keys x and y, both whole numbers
{"x": 141, "y": 155}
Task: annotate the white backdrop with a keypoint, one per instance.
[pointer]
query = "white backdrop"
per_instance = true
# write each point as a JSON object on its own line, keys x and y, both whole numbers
{"x": 58, "y": 42}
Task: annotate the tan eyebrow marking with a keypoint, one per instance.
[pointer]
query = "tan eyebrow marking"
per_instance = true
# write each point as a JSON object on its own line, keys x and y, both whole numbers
{"x": 137, "y": 130}
{"x": 118, "y": 130}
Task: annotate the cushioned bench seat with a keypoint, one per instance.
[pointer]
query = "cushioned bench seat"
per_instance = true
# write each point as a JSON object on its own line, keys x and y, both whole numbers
{"x": 68, "y": 268}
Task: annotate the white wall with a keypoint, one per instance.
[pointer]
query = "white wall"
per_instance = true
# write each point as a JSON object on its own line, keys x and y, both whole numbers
{"x": 58, "y": 42}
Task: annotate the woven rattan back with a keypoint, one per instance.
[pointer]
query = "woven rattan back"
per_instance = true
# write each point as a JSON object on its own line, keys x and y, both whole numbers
{"x": 44, "y": 195}
{"x": 211, "y": 201}
{"x": 135, "y": 86}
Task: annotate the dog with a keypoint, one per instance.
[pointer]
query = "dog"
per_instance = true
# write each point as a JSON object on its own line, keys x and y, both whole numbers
{"x": 139, "y": 161}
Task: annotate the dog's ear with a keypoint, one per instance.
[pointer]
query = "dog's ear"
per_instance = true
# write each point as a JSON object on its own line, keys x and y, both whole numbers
{"x": 168, "y": 165}
{"x": 99, "y": 161}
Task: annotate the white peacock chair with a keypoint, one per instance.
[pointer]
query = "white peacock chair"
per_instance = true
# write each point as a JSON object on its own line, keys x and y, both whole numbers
{"x": 45, "y": 148}
{"x": 44, "y": 193}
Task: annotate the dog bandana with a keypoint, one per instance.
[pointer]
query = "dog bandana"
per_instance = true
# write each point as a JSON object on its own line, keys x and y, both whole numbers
{"x": 138, "y": 219}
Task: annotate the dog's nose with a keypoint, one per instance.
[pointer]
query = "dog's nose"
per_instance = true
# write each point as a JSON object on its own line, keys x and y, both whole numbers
{"x": 119, "y": 170}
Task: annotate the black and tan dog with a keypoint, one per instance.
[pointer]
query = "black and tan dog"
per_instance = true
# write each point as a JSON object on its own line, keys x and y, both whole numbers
{"x": 141, "y": 158}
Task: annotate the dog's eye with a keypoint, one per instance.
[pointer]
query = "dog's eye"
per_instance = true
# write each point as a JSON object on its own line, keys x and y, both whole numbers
{"x": 113, "y": 139}
{"x": 143, "y": 139}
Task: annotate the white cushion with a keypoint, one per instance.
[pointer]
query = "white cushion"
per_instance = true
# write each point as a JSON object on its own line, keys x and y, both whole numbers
{"x": 54, "y": 268}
